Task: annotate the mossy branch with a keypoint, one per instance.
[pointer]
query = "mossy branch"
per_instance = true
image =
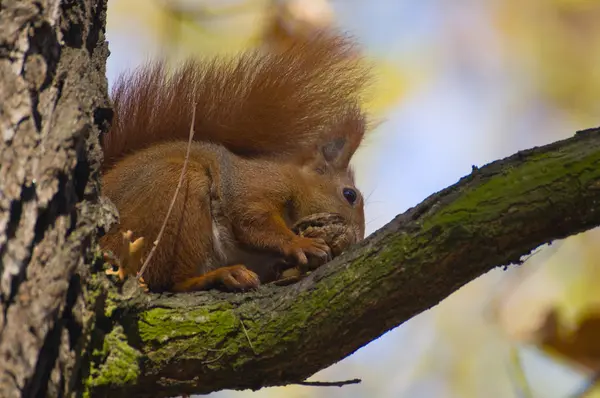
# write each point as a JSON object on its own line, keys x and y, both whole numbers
{"x": 203, "y": 342}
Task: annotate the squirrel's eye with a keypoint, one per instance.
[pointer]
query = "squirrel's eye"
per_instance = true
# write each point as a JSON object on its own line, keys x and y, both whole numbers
{"x": 350, "y": 195}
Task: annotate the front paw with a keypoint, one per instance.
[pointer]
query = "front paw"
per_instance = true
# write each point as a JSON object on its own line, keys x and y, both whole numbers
{"x": 237, "y": 278}
{"x": 300, "y": 247}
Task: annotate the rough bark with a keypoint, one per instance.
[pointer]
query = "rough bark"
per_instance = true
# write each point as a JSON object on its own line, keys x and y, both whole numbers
{"x": 166, "y": 345}
{"x": 66, "y": 330}
{"x": 53, "y": 96}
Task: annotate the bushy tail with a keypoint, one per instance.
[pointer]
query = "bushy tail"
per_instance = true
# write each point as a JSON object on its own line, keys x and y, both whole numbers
{"x": 256, "y": 104}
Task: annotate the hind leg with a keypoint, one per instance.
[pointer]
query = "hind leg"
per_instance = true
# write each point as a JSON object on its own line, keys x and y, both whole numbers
{"x": 233, "y": 278}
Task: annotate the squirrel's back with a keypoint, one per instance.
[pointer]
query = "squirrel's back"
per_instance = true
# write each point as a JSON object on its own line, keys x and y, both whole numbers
{"x": 257, "y": 104}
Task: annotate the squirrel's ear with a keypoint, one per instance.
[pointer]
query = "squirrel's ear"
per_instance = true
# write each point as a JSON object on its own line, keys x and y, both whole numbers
{"x": 344, "y": 140}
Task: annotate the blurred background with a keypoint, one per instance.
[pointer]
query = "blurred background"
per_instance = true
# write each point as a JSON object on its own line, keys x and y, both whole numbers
{"x": 459, "y": 83}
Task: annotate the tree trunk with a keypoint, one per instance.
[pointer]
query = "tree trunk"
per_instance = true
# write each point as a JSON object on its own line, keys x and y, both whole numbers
{"x": 53, "y": 98}
{"x": 66, "y": 330}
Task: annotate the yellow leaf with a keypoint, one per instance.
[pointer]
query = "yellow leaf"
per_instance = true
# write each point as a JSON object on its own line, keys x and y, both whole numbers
{"x": 579, "y": 344}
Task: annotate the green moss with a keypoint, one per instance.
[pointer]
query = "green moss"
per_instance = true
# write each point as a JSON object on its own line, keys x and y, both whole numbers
{"x": 109, "y": 305}
{"x": 119, "y": 362}
{"x": 93, "y": 291}
{"x": 97, "y": 255}
{"x": 173, "y": 330}
{"x": 161, "y": 325}
{"x": 517, "y": 182}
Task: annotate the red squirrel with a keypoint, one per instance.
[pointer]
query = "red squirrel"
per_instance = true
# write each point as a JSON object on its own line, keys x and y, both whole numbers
{"x": 274, "y": 135}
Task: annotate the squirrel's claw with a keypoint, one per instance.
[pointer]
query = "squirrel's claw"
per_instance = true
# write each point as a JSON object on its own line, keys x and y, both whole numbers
{"x": 130, "y": 258}
{"x": 119, "y": 272}
{"x": 314, "y": 247}
{"x": 143, "y": 285}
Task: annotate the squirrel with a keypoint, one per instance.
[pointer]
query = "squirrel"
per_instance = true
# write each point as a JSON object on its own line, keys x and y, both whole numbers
{"x": 274, "y": 133}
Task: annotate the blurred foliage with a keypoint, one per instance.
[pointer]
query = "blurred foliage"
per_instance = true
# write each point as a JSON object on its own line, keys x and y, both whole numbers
{"x": 558, "y": 43}
{"x": 566, "y": 324}
{"x": 183, "y": 28}
{"x": 186, "y": 28}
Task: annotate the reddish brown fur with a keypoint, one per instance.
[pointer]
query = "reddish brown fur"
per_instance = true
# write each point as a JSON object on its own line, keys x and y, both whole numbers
{"x": 283, "y": 129}
{"x": 277, "y": 104}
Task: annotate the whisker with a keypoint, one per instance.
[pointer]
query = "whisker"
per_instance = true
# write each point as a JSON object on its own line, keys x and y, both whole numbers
{"x": 372, "y": 220}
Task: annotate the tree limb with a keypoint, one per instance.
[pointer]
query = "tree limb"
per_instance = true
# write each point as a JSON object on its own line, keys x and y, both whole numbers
{"x": 172, "y": 344}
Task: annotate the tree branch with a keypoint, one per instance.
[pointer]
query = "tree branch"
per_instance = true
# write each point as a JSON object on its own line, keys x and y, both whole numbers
{"x": 329, "y": 383}
{"x": 172, "y": 344}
